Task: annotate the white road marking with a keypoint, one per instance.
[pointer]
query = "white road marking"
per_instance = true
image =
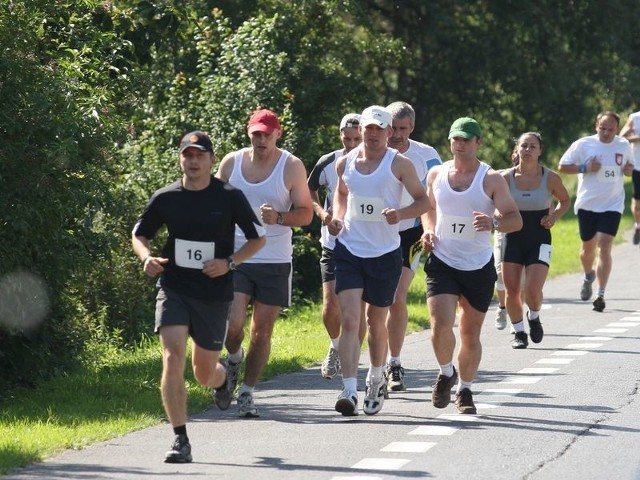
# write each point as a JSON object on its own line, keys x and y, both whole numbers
{"x": 540, "y": 370}
{"x": 555, "y": 361}
{"x": 381, "y": 463}
{"x": 502, "y": 392}
{"x": 623, "y": 324}
{"x": 584, "y": 345}
{"x": 595, "y": 339}
{"x": 570, "y": 353}
{"x": 610, "y": 330}
{"x": 356, "y": 477}
{"x": 408, "y": 447}
{"x": 521, "y": 380}
{"x": 441, "y": 430}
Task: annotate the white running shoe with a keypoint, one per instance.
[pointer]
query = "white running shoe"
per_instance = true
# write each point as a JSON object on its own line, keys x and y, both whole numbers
{"x": 331, "y": 364}
{"x": 501, "y": 318}
{"x": 374, "y": 398}
{"x": 246, "y": 407}
{"x": 347, "y": 403}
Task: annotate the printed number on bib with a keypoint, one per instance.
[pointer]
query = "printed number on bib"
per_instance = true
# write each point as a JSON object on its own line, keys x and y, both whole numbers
{"x": 608, "y": 174}
{"x": 367, "y": 209}
{"x": 457, "y": 228}
{"x": 544, "y": 255}
{"x": 191, "y": 254}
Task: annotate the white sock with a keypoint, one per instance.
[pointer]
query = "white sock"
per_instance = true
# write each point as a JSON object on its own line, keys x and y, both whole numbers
{"x": 245, "y": 388}
{"x": 462, "y": 385}
{"x": 375, "y": 374}
{"x": 237, "y": 356}
{"x": 335, "y": 342}
{"x": 518, "y": 327}
{"x": 395, "y": 361}
{"x": 533, "y": 314}
{"x": 447, "y": 370}
{"x": 350, "y": 384}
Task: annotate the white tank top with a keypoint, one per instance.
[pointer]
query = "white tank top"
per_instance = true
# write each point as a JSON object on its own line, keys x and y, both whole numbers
{"x": 274, "y": 192}
{"x": 366, "y": 233}
{"x": 458, "y": 244}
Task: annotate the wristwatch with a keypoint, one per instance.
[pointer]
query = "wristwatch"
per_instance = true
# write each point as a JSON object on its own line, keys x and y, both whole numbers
{"x": 232, "y": 264}
{"x": 280, "y": 220}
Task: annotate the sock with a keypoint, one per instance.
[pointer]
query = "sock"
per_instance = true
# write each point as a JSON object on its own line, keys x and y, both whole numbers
{"x": 375, "y": 374}
{"x": 181, "y": 430}
{"x": 601, "y": 292}
{"x": 501, "y": 307}
{"x": 462, "y": 385}
{"x": 350, "y": 384}
{"x": 395, "y": 361}
{"x": 237, "y": 356}
{"x": 447, "y": 369}
{"x": 589, "y": 277}
{"x": 533, "y": 314}
{"x": 518, "y": 327}
{"x": 335, "y": 342}
{"x": 245, "y": 388}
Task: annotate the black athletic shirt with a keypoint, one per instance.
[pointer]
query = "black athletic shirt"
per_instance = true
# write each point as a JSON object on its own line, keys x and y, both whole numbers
{"x": 207, "y": 215}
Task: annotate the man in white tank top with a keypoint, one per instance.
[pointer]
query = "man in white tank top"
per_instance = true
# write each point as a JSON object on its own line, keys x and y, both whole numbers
{"x": 366, "y": 213}
{"x": 324, "y": 176}
{"x": 423, "y": 157}
{"x": 631, "y": 131}
{"x": 275, "y": 183}
{"x": 464, "y": 194}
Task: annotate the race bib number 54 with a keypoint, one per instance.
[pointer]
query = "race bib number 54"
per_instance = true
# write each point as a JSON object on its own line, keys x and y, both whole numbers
{"x": 190, "y": 254}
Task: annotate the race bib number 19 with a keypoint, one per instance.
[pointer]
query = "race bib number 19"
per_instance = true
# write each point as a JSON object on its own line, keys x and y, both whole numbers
{"x": 191, "y": 254}
{"x": 367, "y": 209}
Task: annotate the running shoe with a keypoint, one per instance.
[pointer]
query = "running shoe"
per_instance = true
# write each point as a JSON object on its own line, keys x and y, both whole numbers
{"x": 331, "y": 364}
{"x": 246, "y": 407}
{"x": 374, "y": 398}
{"x": 464, "y": 402}
{"x": 395, "y": 378}
{"x": 180, "y": 451}
{"x": 441, "y": 394}
{"x": 520, "y": 341}
{"x": 233, "y": 374}
{"x": 587, "y": 290}
{"x": 636, "y": 236}
{"x": 598, "y": 304}
{"x": 347, "y": 403}
{"x": 222, "y": 394}
{"x": 501, "y": 318}
{"x": 536, "y": 332}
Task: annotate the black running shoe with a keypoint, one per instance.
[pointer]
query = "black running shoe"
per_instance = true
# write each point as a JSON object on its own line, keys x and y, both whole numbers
{"x": 535, "y": 330}
{"x": 441, "y": 394}
{"x": 598, "y": 304}
{"x": 464, "y": 402}
{"x": 636, "y": 236}
{"x": 520, "y": 341}
{"x": 222, "y": 394}
{"x": 180, "y": 451}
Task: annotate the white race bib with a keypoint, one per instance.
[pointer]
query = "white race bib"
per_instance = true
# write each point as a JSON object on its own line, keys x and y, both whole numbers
{"x": 367, "y": 209}
{"x": 608, "y": 174}
{"x": 191, "y": 254}
{"x": 457, "y": 228}
{"x": 544, "y": 255}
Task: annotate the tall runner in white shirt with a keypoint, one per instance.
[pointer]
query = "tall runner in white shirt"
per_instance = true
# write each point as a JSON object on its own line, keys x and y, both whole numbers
{"x": 600, "y": 161}
{"x": 631, "y": 131}
{"x": 324, "y": 176}
{"x": 368, "y": 260}
{"x": 423, "y": 157}
{"x": 464, "y": 194}
{"x": 275, "y": 183}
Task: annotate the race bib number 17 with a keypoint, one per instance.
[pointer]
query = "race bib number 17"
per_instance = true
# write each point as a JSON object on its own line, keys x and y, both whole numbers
{"x": 190, "y": 254}
{"x": 457, "y": 228}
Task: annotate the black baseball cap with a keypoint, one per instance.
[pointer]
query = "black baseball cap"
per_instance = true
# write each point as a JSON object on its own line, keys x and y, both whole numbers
{"x": 197, "y": 139}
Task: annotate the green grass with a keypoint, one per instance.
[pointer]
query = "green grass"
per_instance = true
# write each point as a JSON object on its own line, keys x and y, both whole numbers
{"x": 84, "y": 407}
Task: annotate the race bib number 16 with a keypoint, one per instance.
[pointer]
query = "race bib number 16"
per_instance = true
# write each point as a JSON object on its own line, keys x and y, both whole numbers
{"x": 191, "y": 254}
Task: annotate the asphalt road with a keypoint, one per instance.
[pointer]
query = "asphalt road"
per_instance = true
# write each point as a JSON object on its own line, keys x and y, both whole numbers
{"x": 566, "y": 408}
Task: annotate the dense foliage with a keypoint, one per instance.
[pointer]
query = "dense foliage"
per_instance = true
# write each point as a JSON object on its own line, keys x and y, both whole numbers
{"x": 95, "y": 94}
